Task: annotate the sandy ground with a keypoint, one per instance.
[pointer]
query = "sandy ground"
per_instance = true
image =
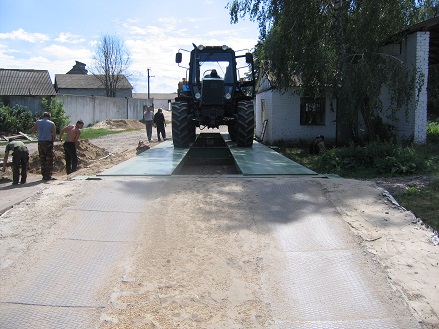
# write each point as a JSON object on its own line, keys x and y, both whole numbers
{"x": 405, "y": 248}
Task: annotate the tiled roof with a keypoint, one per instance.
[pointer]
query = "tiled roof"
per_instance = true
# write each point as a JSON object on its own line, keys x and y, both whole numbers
{"x": 85, "y": 81}
{"x": 25, "y": 83}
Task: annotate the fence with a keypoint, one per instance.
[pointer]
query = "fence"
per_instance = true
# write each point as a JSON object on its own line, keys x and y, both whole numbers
{"x": 92, "y": 109}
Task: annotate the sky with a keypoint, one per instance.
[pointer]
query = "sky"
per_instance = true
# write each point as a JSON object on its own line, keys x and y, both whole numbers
{"x": 53, "y": 35}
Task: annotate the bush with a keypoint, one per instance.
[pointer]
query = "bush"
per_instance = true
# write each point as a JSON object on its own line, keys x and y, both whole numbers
{"x": 376, "y": 158}
{"x": 433, "y": 132}
{"x": 15, "y": 119}
{"x": 55, "y": 108}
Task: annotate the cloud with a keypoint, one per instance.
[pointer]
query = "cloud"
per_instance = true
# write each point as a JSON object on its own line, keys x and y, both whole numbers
{"x": 22, "y": 35}
{"x": 67, "y": 53}
{"x": 69, "y": 38}
{"x": 5, "y": 59}
{"x": 154, "y": 45}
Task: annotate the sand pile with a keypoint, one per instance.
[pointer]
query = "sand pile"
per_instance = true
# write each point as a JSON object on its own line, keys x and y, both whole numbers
{"x": 122, "y": 124}
{"x": 88, "y": 154}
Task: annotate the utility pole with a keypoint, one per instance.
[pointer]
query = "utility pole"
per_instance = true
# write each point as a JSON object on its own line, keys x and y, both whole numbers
{"x": 148, "y": 80}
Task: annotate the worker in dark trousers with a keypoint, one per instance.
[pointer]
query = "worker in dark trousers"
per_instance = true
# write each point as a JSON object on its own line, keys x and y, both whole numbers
{"x": 20, "y": 160}
{"x": 160, "y": 123}
{"x": 71, "y": 144}
{"x": 148, "y": 115}
{"x": 46, "y": 138}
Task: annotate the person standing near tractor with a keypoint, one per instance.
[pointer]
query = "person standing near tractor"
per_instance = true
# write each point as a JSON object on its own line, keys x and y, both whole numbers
{"x": 160, "y": 123}
{"x": 20, "y": 160}
{"x": 71, "y": 144}
{"x": 148, "y": 115}
{"x": 46, "y": 138}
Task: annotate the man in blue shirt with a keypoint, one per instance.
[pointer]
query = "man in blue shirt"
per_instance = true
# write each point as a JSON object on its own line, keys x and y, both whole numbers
{"x": 46, "y": 137}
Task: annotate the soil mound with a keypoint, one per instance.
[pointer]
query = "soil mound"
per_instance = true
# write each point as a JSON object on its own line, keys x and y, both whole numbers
{"x": 88, "y": 154}
{"x": 122, "y": 124}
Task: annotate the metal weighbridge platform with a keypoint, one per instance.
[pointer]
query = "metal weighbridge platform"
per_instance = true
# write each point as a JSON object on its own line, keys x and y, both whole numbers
{"x": 165, "y": 160}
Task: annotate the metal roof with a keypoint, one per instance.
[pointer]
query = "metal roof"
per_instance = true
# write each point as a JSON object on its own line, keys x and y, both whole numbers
{"x": 86, "y": 81}
{"x": 15, "y": 82}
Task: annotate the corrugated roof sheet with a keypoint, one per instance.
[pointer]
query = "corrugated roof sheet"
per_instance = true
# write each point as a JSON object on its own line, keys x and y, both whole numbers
{"x": 85, "y": 81}
{"x": 14, "y": 82}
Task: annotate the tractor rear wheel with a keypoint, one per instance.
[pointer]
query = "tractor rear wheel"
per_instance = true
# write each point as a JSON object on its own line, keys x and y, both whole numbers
{"x": 180, "y": 124}
{"x": 246, "y": 124}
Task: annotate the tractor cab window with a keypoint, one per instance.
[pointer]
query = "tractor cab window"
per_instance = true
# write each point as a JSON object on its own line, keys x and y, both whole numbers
{"x": 209, "y": 63}
{"x": 244, "y": 75}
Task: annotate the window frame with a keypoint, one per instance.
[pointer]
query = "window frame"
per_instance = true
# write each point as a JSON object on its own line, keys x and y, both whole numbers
{"x": 312, "y": 117}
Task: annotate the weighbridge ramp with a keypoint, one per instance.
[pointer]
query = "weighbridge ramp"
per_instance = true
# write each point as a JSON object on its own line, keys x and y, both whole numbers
{"x": 164, "y": 160}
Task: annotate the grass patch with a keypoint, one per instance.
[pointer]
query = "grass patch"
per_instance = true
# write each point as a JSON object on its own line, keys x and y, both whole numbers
{"x": 90, "y": 133}
{"x": 424, "y": 203}
{"x": 382, "y": 160}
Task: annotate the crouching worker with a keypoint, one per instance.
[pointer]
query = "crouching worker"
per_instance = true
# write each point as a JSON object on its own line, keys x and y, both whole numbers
{"x": 20, "y": 160}
{"x": 71, "y": 144}
{"x": 318, "y": 146}
{"x": 141, "y": 147}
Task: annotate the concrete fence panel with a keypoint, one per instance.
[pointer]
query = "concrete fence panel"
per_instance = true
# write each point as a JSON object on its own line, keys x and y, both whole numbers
{"x": 92, "y": 109}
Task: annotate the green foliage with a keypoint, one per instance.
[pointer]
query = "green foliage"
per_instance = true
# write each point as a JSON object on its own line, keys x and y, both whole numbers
{"x": 55, "y": 108}
{"x": 424, "y": 202}
{"x": 15, "y": 119}
{"x": 335, "y": 48}
{"x": 433, "y": 132}
{"x": 374, "y": 159}
{"x": 433, "y": 92}
{"x": 90, "y": 133}
{"x": 383, "y": 159}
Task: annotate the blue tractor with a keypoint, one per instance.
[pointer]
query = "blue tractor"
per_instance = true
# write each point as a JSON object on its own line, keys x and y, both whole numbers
{"x": 219, "y": 89}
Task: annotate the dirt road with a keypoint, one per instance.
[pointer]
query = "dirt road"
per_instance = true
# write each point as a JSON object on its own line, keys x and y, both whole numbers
{"x": 197, "y": 252}
{"x": 169, "y": 252}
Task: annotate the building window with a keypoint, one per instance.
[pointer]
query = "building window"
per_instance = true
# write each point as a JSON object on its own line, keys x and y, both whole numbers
{"x": 312, "y": 111}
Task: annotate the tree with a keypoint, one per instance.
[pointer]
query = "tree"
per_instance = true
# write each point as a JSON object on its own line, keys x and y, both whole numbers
{"x": 56, "y": 110}
{"x": 333, "y": 47}
{"x": 111, "y": 62}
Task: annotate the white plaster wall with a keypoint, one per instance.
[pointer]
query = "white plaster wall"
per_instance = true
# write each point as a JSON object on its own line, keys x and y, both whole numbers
{"x": 283, "y": 110}
{"x": 163, "y": 104}
{"x": 283, "y": 115}
{"x": 267, "y": 96}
